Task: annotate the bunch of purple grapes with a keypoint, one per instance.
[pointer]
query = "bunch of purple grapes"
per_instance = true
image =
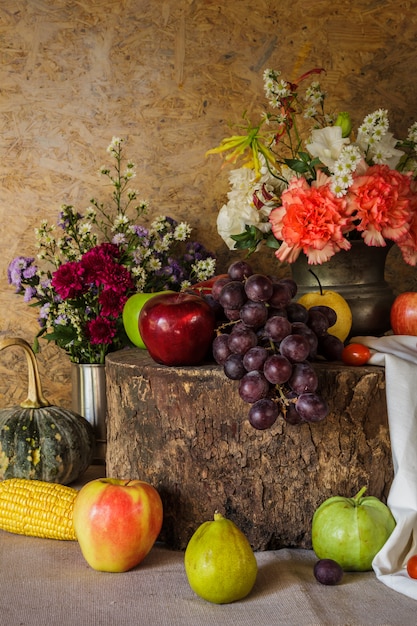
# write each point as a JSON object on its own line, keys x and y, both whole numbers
{"x": 267, "y": 342}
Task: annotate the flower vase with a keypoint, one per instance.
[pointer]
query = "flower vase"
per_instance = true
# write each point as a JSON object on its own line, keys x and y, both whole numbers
{"x": 89, "y": 400}
{"x": 358, "y": 276}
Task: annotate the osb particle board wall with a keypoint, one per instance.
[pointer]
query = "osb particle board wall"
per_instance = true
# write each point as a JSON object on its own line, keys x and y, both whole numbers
{"x": 168, "y": 76}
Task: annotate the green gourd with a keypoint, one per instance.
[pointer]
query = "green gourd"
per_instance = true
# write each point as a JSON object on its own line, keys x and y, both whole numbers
{"x": 39, "y": 441}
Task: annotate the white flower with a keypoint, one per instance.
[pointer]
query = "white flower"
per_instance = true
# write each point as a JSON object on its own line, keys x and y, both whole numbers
{"x": 182, "y": 231}
{"x": 153, "y": 264}
{"x": 412, "y": 133}
{"x": 84, "y": 229}
{"x": 129, "y": 174}
{"x": 114, "y": 145}
{"x": 314, "y": 94}
{"x": 119, "y": 221}
{"x": 343, "y": 169}
{"x": 326, "y": 144}
{"x": 382, "y": 151}
{"x": 204, "y": 268}
{"x": 233, "y": 217}
{"x": 163, "y": 244}
{"x": 231, "y": 220}
{"x": 158, "y": 224}
{"x": 90, "y": 213}
{"x": 118, "y": 239}
{"x": 240, "y": 209}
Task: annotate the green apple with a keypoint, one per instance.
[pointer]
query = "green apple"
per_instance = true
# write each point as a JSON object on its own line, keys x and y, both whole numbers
{"x": 351, "y": 530}
{"x": 335, "y": 301}
{"x": 130, "y": 315}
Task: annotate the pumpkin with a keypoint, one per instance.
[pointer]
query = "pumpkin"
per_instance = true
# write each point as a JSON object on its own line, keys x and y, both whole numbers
{"x": 39, "y": 441}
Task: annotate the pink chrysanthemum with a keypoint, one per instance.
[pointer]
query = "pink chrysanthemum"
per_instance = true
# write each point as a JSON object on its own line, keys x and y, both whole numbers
{"x": 112, "y": 302}
{"x": 100, "y": 330}
{"x": 68, "y": 280}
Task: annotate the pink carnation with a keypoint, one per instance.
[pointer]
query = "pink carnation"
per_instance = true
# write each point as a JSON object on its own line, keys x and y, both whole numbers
{"x": 408, "y": 243}
{"x": 380, "y": 203}
{"x": 311, "y": 219}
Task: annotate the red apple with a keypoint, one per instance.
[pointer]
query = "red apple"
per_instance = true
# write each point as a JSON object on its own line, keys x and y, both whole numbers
{"x": 204, "y": 287}
{"x": 404, "y": 314}
{"x": 130, "y": 315}
{"x": 177, "y": 328}
{"x": 117, "y": 522}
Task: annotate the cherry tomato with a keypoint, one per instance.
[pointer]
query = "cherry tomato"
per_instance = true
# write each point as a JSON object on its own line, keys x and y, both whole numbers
{"x": 412, "y": 566}
{"x": 356, "y": 354}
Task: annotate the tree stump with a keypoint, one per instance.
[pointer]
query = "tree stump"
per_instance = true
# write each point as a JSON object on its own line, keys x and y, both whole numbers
{"x": 185, "y": 430}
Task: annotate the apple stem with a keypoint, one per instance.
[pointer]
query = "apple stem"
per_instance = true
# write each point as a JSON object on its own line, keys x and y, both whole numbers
{"x": 359, "y": 495}
{"x": 317, "y": 279}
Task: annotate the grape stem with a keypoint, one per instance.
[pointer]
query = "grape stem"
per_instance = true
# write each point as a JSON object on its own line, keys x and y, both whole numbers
{"x": 282, "y": 398}
{"x": 222, "y": 327}
{"x": 317, "y": 279}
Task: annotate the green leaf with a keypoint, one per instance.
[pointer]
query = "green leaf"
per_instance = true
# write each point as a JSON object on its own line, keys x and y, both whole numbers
{"x": 272, "y": 242}
{"x": 297, "y": 165}
{"x": 242, "y": 236}
{"x": 244, "y": 244}
{"x": 304, "y": 156}
{"x": 63, "y": 335}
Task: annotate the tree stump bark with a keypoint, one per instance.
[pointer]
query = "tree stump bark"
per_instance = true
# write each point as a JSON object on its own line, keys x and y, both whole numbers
{"x": 185, "y": 430}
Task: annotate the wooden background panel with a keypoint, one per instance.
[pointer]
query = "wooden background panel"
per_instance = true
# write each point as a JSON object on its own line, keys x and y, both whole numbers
{"x": 169, "y": 76}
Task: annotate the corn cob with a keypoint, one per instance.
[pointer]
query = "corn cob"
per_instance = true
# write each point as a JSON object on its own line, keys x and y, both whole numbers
{"x": 37, "y": 508}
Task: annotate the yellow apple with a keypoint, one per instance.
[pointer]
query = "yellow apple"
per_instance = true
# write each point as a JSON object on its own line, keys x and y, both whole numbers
{"x": 336, "y": 302}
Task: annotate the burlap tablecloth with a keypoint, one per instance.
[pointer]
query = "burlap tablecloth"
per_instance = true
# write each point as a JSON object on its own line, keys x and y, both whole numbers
{"x": 47, "y": 583}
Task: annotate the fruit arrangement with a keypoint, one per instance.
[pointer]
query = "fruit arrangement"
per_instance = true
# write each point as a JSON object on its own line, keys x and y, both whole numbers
{"x": 251, "y": 325}
{"x": 266, "y": 341}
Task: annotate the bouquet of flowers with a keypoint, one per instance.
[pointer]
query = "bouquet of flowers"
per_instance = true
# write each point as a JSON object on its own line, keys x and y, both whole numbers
{"x": 315, "y": 195}
{"x": 94, "y": 261}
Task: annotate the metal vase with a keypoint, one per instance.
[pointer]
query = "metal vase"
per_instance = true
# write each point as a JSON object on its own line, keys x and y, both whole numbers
{"x": 358, "y": 275}
{"x": 89, "y": 400}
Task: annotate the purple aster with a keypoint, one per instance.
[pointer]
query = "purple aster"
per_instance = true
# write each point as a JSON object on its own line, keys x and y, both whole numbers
{"x": 30, "y": 292}
{"x": 16, "y": 269}
{"x": 44, "y": 311}
{"x": 67, "y": 217}
{"x": 140, "y": 231}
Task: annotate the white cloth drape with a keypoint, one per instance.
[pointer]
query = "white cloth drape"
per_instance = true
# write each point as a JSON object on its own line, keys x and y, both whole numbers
{"x": 399, "y": 356}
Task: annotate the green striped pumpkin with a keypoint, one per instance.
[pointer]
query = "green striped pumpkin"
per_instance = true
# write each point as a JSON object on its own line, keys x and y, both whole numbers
{"x": 39, "y": 441}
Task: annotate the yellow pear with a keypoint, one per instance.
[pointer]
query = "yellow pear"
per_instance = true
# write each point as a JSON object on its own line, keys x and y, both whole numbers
{"x": 219, "y": 562}
{"x": 336, "y": 302}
